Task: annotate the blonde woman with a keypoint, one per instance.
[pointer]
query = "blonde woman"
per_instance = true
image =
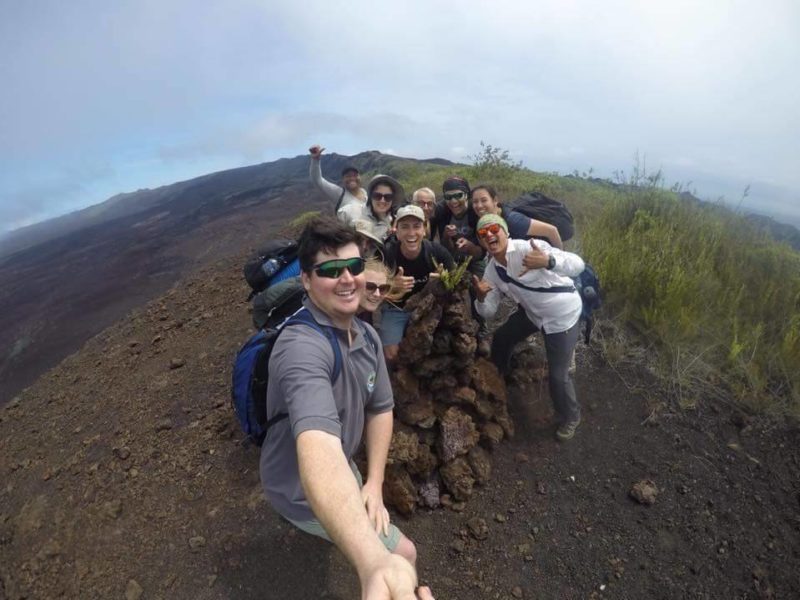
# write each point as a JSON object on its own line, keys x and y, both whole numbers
{"x": 378, "y": 285}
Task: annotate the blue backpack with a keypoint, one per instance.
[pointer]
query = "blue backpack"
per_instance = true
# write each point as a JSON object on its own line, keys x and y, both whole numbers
{"x": 251, "y": 374}
{"x": 587, "y": 284}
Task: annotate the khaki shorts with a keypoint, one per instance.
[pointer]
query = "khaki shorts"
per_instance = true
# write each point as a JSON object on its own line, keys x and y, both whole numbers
{"x": 314, "y": 527}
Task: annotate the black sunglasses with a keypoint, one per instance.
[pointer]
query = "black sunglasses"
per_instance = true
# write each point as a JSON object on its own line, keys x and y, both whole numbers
{"x": 455, "y": 196}
{"x": 385, "y": 197}
{"x": 382, "y": 288}
{"x": 333, "y": 269}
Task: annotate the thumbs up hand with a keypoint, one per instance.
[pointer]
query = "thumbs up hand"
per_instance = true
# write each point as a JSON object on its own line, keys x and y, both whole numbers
{"x": 404, "y": 282}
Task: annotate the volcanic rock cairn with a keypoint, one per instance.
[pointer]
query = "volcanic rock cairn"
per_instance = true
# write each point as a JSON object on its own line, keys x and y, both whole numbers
{"x": 450, "y": 405}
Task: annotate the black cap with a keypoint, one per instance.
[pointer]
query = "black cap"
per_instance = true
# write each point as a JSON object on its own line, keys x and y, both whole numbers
{"x": 349, "y": 169}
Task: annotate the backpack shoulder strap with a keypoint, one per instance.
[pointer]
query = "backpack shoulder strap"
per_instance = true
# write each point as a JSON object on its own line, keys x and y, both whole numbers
{"x": 339, "y": 201}
{"x": 557, "y": 289}
{"x": 304, "y": 316}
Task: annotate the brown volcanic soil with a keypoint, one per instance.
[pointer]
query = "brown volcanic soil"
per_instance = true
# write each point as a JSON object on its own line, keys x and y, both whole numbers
{"x": 123, "y": 478}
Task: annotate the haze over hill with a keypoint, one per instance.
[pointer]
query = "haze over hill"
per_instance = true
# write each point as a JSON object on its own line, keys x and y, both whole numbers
{"x": 64, "y": 280}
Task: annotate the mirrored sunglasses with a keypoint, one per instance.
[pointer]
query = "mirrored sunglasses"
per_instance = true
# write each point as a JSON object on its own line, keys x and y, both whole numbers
{"x": 493, "y": 228}
{"x": 333, "y": 269}
{"x": 455, "y": 196}
{"x": 384, "y": 197}
{"x": 382, "y": 288}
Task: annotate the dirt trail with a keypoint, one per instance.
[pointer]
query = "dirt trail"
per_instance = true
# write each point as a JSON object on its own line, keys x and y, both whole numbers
{"x": 123, "y": 476}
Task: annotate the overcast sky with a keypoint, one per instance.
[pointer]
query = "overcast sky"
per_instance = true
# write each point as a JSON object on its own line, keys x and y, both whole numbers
{"x": 101, "y": 97}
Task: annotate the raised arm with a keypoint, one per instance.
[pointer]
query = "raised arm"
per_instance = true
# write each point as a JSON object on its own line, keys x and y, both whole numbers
{"x": 331, "y": 190}
{"x": 542, "y": 229}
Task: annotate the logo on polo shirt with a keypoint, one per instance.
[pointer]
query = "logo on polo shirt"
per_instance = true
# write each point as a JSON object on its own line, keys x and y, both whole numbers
{"x": 371, "y": 382}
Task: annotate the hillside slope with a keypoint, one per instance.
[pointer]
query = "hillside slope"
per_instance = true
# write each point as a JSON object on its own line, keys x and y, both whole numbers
{"x": 86, "y": 270}
{"x": 124, "y": 476}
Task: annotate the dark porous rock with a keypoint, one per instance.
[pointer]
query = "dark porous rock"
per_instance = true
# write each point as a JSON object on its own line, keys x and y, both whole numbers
{"x": 504, "y": 420}
{"x": 492, "y": 433}
{"x": 464, "y": 395}
{"x": 443, "y": 381}
{"x": 464, "y": 344}
{"x": 478, "y": 528}
{"x": 644, "y": 492}
{"x": 404, "y": 384}
{"x": 457, "y": 317}
{"x": 488, "y": 382}
{"x": 418, "y": 337}
{"x": 481, "y": 464}
{"x": 398, "y": 490}
{"x": 404, "y": 447}
{"x": 424, "y": 463}
{"x": 457, "y": 434}
{"x": 458, "y": 479}
{"x": 433, "y": 365}
{"x": 419, "y": 412}
{"x": 429, "y": 494}
{"x": 442, "y": 341}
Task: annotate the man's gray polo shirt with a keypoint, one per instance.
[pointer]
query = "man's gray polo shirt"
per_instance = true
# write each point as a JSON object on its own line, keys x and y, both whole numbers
{"x": 300, "y": 370}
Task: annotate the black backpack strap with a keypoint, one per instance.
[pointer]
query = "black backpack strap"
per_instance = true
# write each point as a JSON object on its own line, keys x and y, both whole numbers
{"x": 558, "y": 289}
{"x": 339, "y": 202}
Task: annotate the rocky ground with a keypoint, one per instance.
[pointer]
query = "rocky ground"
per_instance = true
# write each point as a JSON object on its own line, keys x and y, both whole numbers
{"x": 124, "y": 476}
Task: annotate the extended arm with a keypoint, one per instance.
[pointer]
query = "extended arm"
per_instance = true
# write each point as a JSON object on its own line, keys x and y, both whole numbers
{"x": 334, "y": 497}
{"x": 331, "y": 190}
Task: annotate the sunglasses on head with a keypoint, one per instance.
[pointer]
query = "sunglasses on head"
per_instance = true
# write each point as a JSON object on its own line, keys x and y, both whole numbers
{"x": 382, "y": 288}
{"x": 493, "y": 228}
{"x": 333, "y": 269}
{"x": 385, "y": 197}
{"x": 455, "y": 196}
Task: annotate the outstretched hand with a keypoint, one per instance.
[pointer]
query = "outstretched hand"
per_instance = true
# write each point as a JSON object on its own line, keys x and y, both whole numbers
{"x": 481, "y": 287}
{"x": 536, "y": 258}
{"x": 316, "y": 151}
{"x": 396, "y": 579}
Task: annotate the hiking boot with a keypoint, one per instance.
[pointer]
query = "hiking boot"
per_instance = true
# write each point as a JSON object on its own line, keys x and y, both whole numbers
{"x": 566, "y": 431}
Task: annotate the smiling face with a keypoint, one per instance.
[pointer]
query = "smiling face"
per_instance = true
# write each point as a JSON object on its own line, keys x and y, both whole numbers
{"x": 337, "y": 297}
{"x": 483, "y": 203}
{"x": 427, "y": 203}
{"x": 351, "y": 181}
{"x": 456, "y": 201}
{"x": 494, "y": 239}
{"x": 410, "y": 233}
{"x": 380, "y": 203}
{"x": 371, "y": 300}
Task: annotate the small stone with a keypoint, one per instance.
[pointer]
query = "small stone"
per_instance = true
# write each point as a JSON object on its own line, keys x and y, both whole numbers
{"x": 176, "y": 363}
{"x": 524, "y": 549}
{"x": 113, "y": 509}
{"x": 133, "y": 591}
{"x": 478, "y": 528}
{"x": 122, "y": 453}
{"x": 196, "y": 542}
{"x": 458, "y": 546}
{"x": 644, "y": 492}
{"x": 164, "y": 424}
{"x": 517, "y": 592}
{"x": 500, "y": 518}
{"x": 521, "y": 457}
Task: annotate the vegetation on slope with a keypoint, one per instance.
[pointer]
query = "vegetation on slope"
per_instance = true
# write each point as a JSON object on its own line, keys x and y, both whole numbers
{"x": 709, "y": 290}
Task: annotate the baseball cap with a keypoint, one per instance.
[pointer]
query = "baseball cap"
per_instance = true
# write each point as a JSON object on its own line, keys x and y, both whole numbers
{"x": 410, "y": 210}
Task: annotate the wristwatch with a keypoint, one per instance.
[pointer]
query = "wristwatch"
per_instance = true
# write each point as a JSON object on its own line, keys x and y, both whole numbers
{"x": 551, "y": 262}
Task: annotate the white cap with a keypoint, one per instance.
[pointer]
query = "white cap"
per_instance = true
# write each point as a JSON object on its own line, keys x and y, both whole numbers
{"x": 410, "y": 210}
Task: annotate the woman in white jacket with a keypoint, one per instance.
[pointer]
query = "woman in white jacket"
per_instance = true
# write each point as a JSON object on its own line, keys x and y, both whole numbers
{"x": 538, "y": 277}
{"x": 384, "y": 196}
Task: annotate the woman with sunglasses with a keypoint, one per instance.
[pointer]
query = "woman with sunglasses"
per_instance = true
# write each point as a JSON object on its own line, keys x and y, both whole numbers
{"x": 377, "y": 287}
{"x": 538, "y": 277}
{"x": 485, "y": 201}
{"x": 385, "y": 195}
